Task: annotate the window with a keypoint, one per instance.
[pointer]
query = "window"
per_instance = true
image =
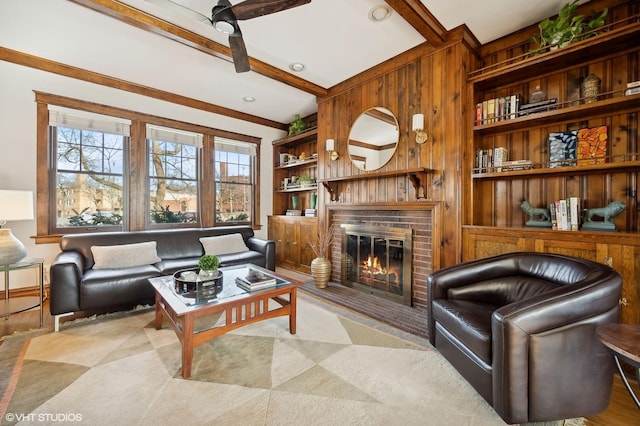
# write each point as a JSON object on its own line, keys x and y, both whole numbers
{"x": 102, "y": 168}
{"x": 88, "y": 155}
{"x": 173, "y": 175}
{"x": 234, "y": 180}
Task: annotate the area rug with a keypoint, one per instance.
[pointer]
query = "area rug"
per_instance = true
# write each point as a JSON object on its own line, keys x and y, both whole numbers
{"x": 337, "y": 370}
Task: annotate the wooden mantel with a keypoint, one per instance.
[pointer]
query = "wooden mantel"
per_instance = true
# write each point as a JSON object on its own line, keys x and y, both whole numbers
{"x": 417, "y": 176}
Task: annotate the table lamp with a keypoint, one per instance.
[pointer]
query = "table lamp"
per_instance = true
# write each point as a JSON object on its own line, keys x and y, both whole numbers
{"x": 14, "y": 205}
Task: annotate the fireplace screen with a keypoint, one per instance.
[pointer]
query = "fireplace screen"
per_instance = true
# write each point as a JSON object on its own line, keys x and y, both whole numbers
{"x": 377, "y": 260}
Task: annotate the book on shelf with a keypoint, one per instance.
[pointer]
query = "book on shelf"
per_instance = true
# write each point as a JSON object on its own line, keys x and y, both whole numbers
{"x": 632, "y": 91}
{"x": 310, "y": 212}
{"x": 562, "y": 148}
{"x": 292, "y": 212}
{"x": 565, "y": 214}
{"x": 516, "y": 165}
{"x": 633, "y": 84}
{"x": 539, "y": 106}
{"x": 496, "y": 109}
{"x": 592, "y": 145}
{"x": 255, "y": 280}
{"x": 500, "y": 155}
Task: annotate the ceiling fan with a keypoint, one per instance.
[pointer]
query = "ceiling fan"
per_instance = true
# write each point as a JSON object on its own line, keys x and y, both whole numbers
{"x": 225, "y": 17}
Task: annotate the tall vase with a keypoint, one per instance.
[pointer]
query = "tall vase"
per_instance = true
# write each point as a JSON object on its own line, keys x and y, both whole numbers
{"x": 294, "y": 202}
{"x": 321, "y": 271}
{"x": 314, "y": 200}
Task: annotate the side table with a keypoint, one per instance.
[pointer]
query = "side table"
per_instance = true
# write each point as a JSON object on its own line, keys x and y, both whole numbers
{"x": 623, "y": 340}
{"x": 23, "y": 303}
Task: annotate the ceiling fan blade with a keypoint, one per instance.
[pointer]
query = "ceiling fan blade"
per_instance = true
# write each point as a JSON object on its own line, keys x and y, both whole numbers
{"x": 178, "y": 8}
{"x": 239, "y": 52}
{"x": 253, "y": 8}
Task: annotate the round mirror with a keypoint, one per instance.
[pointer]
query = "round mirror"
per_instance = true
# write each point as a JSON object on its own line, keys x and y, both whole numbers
{"x": 373, "y": 139}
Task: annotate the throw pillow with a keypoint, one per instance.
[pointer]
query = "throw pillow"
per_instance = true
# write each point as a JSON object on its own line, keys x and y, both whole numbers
{"x": 124, "y": 255}
{"x": 223, "y": 244}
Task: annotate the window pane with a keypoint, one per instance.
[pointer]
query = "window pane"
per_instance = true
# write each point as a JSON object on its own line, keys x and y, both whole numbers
{"x": 234, "y": 185}
{"x": 173, "y": 182}
{"x": 89, "y": 178}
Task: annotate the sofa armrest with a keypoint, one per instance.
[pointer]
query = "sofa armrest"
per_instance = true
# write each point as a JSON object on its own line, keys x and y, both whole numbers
{"x": 65, "y": 275}
{"x": 266, "y": 247}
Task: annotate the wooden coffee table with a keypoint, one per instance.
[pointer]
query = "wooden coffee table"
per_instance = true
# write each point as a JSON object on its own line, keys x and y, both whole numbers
{"x": 239, "y": 308}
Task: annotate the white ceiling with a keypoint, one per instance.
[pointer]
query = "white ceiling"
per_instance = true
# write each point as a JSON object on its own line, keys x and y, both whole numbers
{"x": 333, "y": 38}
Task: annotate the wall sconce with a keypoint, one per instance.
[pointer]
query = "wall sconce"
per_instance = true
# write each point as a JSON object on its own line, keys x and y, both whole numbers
{"x": 330, "y": 147}
{"x": 418, "y": 127}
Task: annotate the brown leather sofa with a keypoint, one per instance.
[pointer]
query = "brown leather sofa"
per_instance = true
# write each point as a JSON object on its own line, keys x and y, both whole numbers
{"x": 520, "y": 327}
{"x": 77, "y": 286}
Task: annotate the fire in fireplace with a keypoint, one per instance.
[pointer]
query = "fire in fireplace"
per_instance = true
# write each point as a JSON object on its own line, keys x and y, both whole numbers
{"x": 377, "y": 260}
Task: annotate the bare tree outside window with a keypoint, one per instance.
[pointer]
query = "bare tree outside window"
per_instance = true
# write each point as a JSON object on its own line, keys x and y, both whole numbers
{"x": 89, "y": 178}
{"x": 234, "y": 182}
{"x": 173, "y": 182}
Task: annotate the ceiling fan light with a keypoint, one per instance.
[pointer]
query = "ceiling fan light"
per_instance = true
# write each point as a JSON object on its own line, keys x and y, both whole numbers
{"x": 224, "y": 27}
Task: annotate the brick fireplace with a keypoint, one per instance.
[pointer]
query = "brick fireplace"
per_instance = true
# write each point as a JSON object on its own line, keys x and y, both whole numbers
{"x": 416, "y": 217}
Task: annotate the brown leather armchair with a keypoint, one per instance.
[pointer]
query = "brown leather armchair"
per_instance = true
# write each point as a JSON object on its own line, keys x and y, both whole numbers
{"x": 520, "y": 327}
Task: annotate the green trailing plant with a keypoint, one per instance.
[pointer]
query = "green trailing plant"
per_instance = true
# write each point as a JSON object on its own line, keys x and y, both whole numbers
{"x": 297, "y": 126}
{"x": 209, "y": 262}
{"x": 568, "y": 26}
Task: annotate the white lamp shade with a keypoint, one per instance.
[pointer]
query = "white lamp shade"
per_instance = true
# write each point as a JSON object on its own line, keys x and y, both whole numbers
{"x": 418, "y": 122}
{"x": 16, "y": 205}
{"x": 330, "y": 145}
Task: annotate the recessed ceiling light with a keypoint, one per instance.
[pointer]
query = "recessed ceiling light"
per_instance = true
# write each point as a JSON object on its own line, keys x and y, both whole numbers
{"x": 249, "y": 99}
{"x": 297, "y": 67}
{"x": 379, "y": 13}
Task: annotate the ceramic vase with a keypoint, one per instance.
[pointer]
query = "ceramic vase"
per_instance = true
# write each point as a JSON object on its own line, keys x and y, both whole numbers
{"x": 321, "y": 271}
{"x": 294, "y": 202}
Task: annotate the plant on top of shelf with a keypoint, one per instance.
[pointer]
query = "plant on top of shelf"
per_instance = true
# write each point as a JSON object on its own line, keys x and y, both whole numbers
{"x": 297, "y": 126}
{"x": 563, "y": 30}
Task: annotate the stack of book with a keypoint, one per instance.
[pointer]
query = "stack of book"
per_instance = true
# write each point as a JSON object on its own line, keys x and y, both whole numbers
{"x": 632, "y": 88}
{"x": 255, "y": 280}
{"x": 540, "y": 106}
{"x": 310, "y": 212}
{"x": 292, "y": 212}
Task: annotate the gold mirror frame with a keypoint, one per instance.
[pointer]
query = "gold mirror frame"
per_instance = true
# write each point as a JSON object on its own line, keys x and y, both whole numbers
{"x": 373, "y": 139}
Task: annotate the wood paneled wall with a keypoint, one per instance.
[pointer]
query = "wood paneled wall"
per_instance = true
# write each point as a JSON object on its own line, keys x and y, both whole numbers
{"x": 433, "y": 84}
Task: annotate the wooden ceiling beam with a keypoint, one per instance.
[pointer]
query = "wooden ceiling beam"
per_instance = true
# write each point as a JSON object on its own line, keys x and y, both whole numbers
{"x": 419, "y": 17}
{"x": 150, "y": 23}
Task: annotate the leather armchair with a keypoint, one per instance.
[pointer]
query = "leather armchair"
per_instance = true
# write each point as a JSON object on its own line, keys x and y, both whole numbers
{"x": 520, "y": 327}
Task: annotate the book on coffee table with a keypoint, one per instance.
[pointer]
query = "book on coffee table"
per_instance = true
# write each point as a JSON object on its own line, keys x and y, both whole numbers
{"x": 255, "y": 280}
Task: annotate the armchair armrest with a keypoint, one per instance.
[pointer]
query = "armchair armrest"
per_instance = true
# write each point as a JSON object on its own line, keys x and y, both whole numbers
{"x": 66, "y": 272}
{"x": 550, "y": 339}
{"x": 266, "y": 247}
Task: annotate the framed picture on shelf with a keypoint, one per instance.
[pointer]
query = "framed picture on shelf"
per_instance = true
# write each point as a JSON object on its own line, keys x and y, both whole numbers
{"x": 562, "y": 148}
{"x": 592, "y": 145}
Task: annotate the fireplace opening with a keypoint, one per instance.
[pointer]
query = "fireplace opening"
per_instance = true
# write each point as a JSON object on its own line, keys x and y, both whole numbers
{"x": 377, "y": 260}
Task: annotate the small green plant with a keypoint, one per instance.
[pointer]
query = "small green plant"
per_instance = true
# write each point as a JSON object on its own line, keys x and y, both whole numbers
{"x": 297, "y": 126}
{"x": 568, "y": 26}
{"x": 209, "y": 262}
{"x": 306, "y": 180}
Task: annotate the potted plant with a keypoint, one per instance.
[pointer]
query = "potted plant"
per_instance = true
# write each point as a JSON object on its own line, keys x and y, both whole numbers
{"x": 562, "y": 30}
{"x": 321, "y": 265}
{"x": 306, "y": 181}
{"x": 208, "y": 265}
{"x": 297, "y": 126}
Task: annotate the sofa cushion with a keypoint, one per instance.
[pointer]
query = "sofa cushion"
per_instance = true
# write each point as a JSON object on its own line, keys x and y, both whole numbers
{"x": 124, "y": 255}
{"x": 469, "y": 322}
{"x": 224, "y": 244}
